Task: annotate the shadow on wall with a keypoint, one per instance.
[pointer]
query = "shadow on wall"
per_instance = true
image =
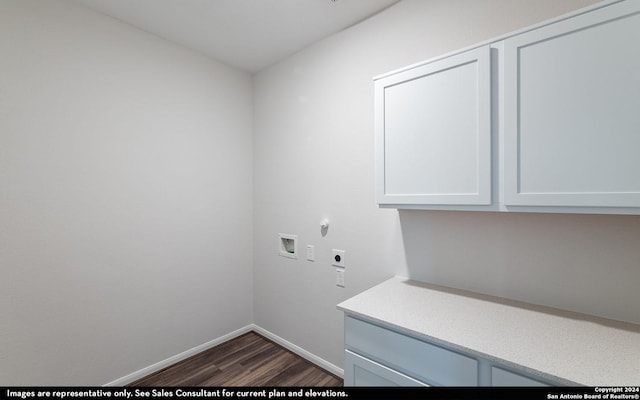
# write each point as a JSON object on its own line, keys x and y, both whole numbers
{"x": 581, "y": 263}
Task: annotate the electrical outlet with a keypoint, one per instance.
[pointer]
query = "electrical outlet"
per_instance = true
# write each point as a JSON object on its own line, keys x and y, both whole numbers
{"x": 340, "y": 277}
{"x": 337, "y": 258}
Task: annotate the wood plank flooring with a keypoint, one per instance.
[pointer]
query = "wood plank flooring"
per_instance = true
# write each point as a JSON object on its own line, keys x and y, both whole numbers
{"x": 248, "y": 360}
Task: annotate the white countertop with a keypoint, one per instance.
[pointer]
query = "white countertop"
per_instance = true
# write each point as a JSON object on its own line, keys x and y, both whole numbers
{"x": 572, "y": 348}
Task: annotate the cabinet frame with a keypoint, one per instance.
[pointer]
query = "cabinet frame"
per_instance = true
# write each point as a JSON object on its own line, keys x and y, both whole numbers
{"x": 504, "y": 193}
{"x": 587, "y": 200}
{"x": 363, "y": 337}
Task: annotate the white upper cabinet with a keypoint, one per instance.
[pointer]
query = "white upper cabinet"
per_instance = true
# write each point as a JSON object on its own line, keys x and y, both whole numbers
{"x": 572, "y": 111}
{"x": 433, "y": 132}
{"x": 564, "y": 97}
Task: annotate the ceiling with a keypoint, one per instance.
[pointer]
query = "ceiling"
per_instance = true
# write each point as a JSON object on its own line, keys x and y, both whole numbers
{"x": 247, "y": 34}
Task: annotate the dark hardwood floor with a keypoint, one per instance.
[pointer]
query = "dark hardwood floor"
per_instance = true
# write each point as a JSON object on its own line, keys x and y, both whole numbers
{"x": 248, "y": 360}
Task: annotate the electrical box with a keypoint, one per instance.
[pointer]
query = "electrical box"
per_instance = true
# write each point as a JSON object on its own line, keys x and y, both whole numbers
{"x": 337, "y": 258}
{"x": 288, "y": 245}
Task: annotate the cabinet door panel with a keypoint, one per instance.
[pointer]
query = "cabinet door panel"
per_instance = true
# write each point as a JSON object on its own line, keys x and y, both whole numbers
{"x": 501, "y": 377}
{"x": 359, "y": 371}
{"x": 433, "y": 132}
{"x": 572, "y": 126}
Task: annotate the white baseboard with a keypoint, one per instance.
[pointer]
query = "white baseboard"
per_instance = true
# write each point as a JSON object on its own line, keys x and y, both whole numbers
{"x": 178, "y": 357}
{"x": 322, "y": 363}
{"x": 205, "y": 346}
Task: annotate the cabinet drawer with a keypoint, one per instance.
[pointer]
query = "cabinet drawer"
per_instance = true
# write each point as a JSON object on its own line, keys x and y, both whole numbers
{"x": 501, "y": 377}
{"x": 359, "y": 371}
{"x": 421, "y": 360}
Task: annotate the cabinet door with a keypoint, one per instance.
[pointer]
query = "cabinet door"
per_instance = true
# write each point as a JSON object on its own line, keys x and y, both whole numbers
{"x": 571, "y": 115}
{"x": 359, "y": 371}
{"x": 501, "y": 377}
{"x": 433, "y": 132}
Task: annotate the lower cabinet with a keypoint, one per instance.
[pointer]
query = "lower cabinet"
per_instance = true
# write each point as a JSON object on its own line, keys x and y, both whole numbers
{"x": 377, "y": 355}
{"x": 501, "y": 377}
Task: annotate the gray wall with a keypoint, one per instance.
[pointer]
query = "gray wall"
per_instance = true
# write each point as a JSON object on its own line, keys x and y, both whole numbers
{"x": 125, "y": 197}
{"x": 128, "y": 220}
{"x": 313, "y": 157}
